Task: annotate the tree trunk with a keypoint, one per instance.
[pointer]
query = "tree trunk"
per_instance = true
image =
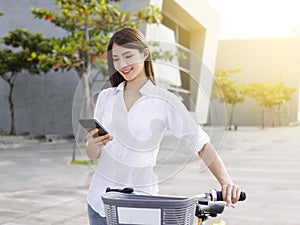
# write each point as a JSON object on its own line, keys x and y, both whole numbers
{"x": 231, "y": 114}
{"x": 11, "y": 84}
{"x": 279, "y": 115}
{"x": 74, "y": 151}
{"x": 272, "y": 116}
{"x": 87, "y": 109}
{"x": 88, "y": 102}
{"x": 263, "y": 118}
{"x": 11, "y": 109}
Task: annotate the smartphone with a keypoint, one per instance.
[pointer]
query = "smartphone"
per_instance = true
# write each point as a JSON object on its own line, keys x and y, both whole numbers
{"x": 90, "y": 124}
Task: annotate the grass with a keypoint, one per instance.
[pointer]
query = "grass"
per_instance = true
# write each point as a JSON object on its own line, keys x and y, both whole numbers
{"x": 83, "y": 162}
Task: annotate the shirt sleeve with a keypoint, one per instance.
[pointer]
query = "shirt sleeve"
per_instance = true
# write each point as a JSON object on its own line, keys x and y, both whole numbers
{"x": 98, "y": 111}
{"x": 181, "y": 124}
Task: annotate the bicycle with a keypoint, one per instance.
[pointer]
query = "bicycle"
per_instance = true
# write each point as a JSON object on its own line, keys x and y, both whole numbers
{"x": 122, "y": 207}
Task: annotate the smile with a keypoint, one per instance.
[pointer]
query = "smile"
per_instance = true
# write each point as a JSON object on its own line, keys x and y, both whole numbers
{"x": 126, "y": 72}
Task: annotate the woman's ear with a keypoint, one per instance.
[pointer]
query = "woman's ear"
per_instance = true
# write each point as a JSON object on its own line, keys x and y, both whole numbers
{"x": 146, "y": 53}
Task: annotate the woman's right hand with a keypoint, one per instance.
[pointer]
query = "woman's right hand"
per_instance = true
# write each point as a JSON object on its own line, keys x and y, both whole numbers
{"x": 95, "y": 144}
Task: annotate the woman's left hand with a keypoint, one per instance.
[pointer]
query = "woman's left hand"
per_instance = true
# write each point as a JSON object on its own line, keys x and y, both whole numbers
{"x": 231, "y": 193}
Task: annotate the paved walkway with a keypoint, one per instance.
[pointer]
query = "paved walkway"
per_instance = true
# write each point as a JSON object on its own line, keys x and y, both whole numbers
{"x": 40, "y": 187}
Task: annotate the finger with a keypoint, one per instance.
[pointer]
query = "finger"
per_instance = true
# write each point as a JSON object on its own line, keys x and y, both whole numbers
{"x": 102, "y": 140}
{"x": 228, "y": 194}
{"x": 104, "y": 137}
{"x": 92, "y": 133}
{"x": 106, "y": 140}
{"x": 224, "y": 192}
{"x": 99, "y": 142}
{"x": 234, "y": 194}
{"x": 238, "y": 194}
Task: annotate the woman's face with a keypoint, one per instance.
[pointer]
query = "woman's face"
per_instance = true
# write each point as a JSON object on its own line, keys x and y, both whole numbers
{"x": 128, "y": 62}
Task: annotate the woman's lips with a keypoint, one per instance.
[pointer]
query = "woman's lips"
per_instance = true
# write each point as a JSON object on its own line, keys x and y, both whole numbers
{"x": 127, "y": 71}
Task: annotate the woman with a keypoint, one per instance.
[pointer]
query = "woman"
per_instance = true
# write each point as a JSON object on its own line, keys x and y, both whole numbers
{"x": 136, "y": 113}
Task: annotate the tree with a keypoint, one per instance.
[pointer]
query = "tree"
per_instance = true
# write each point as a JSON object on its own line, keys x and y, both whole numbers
{"x": 270, "y": 94}
{"x": 286, "y": 95}
{"x": 89, "y": 25}
{"x": 228, "y": 91}
{"x": 17, "y": 47}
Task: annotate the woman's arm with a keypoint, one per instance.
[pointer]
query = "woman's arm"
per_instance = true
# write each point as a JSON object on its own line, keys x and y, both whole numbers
{"x": 231, "y": 192}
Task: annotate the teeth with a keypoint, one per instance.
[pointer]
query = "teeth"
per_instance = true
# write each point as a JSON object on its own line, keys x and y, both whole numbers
{"x": 126, "y": 71}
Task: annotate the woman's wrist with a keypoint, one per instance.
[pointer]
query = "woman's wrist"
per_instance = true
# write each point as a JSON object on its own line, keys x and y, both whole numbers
{"x": 93, "y": 152}
{"x": 225, "y": 181}
{"x": 99, "y": 153}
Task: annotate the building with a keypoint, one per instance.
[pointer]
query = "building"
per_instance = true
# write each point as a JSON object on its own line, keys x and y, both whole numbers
{"x": 43, "y": 104}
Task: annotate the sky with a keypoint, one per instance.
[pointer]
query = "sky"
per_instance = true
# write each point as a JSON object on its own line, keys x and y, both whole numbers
{"x": 244, "y": 19}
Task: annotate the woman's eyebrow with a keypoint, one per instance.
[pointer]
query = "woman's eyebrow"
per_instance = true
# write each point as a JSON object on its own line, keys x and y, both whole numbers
{"x": 124, "y": 53}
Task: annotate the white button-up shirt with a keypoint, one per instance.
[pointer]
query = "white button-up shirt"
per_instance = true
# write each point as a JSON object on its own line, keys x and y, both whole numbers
{"x": 129, "y": 159}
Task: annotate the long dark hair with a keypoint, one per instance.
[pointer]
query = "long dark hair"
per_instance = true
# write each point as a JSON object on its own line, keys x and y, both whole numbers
{"x": 133, "y": 39}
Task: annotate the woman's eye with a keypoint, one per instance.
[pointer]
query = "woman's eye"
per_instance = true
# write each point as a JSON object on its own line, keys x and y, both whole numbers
{"x": 115, "y": 60}
{"x": 128, "y": 56}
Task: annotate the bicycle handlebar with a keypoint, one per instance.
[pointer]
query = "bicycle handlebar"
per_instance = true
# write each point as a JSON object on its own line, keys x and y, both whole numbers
{"x": 217, "y": 196}
{"x": 214, "y": 208}
{"x": 204, "y": 210}
{"x": 127, "y": 190}
{"x": 213, "y": 194}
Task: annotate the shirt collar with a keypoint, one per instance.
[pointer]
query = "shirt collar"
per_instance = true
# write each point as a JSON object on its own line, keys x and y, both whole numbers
{"x": 147, "y": 89}
{"x": 120, "y": 87}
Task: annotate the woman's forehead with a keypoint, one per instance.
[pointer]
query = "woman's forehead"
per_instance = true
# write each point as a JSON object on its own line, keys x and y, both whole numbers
{"x": 120, "y": 50}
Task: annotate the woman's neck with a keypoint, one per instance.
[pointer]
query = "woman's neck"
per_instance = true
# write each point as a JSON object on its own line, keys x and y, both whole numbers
{"x": 135, "y": 85}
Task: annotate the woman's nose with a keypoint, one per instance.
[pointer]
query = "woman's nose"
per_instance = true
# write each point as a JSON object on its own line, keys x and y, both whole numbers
{"x": 122, "y": 63}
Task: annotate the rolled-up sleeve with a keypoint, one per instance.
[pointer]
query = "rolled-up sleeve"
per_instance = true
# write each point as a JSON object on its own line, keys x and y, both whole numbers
{"x": 181, "y": 124}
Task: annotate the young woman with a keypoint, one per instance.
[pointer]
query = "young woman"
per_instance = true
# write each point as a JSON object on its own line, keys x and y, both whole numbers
{"x": 136, "y": 112}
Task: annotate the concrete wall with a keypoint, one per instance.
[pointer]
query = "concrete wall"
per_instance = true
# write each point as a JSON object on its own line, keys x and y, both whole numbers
{"x": 43, "y": 104}
{"x": 298, "y": 116}
{"x": 262, "y": 60}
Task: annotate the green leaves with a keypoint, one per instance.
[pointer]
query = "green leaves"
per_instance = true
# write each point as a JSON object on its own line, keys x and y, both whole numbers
{"x": 27, "y": 41}
{"x": 89, "y": 26}
{"x": 28, "y": 47}
{"x": 270, "y": 93}
{"x": 9, "y": 61}
{"x": 226, "y": 89}
{"x": 150, "y": 15}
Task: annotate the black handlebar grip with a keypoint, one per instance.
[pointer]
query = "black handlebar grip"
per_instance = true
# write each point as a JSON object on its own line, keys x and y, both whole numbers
{"x": 220, "y": 196}
{"x": 127, "y": 190}
{"x": 242, "y": 196}
{"x": 214, "y": 208}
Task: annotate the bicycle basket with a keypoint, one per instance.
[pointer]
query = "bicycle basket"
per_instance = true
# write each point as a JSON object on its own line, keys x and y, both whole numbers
{"x": 123, "y": 209}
